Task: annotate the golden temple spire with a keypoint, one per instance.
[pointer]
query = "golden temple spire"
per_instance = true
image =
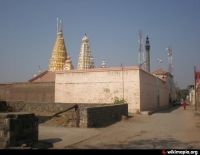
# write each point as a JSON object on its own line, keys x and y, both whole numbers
{"x": 59, "y": 54}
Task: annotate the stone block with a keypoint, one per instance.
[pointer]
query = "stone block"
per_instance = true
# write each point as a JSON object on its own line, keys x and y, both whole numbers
{"x": 3, "y": 139}
{"x": 4, "y": 133}
{"x": 1, "y": 133}
{"x": 3, "y": 145}
{"x": 124, "y": 117}
{"x": 12, "y": 134}
{"x": 19, "y": 129}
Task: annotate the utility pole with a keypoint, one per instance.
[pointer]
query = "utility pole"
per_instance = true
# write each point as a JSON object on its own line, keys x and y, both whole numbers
{"x": 195, "y": 88}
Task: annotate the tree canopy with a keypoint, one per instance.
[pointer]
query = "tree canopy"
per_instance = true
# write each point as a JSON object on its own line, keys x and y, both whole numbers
{"x": 182, "y": 93}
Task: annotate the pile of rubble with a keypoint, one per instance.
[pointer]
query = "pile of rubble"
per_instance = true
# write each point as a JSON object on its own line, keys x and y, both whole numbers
{"x": 66, "y": 119}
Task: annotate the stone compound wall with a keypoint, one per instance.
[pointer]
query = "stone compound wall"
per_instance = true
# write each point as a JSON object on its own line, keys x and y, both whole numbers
{"x": 96, "y": 116}
{"x": 47, "y": 107}
{"x": 18, "y": 128}
{"x": 100, "y": 85}
{"x": 28, "y": 92}
{"x": 87, "y": 115}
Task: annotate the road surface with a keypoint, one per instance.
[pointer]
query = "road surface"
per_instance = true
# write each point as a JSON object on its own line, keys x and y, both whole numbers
{"x": 171, "y": 128}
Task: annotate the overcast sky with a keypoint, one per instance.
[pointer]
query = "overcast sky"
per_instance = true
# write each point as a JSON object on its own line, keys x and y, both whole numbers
{"x": 28, "y": 31}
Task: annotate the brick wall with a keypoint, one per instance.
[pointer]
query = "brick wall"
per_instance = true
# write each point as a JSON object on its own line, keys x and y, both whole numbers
{"x": 28, "y": 92}
{"x": 95, "y": 116}
{"x": 18, "y": 128}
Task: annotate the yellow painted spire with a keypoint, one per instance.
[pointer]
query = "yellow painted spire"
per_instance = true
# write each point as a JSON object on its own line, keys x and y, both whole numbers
{"x": 59, "y": 54}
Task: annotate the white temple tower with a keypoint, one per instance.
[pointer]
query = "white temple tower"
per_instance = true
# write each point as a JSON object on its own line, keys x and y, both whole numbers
{"x": 103, "y": 65}
{"x": 85, "y": 60}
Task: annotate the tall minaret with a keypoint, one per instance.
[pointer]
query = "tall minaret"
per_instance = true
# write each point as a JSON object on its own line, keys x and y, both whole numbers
{"x": 59, "y": 54}
{"x": 85, "y": 60}
{"x": 147, "y": 47}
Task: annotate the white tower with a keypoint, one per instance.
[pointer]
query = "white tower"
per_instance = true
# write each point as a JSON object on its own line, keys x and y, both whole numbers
{"x": 85, "y": 60}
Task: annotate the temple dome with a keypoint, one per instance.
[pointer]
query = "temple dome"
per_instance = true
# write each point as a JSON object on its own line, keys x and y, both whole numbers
{"x": 68, "y": 61}
{"x": 85, "y": 39}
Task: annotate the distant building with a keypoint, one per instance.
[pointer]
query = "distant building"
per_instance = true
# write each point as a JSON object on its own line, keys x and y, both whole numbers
{"x": 198, "y": 90}
{"x": 46, "y": 76}
{"x": 168, "y": 78}
{"x": 190, "y": 97}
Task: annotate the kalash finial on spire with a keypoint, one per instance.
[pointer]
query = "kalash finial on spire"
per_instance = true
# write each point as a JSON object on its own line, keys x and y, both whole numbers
{"x": 60, "y": 30}
{"x": 85, "y": 39}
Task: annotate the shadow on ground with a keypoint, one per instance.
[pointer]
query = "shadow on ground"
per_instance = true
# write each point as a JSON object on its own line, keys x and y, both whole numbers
{"x": 46, "y": 143}
{"x": 108, "y": 123}
{"x": 169, "y": 110}
{"x": 53, "y": 140}
{"x": 43, "y": 119}
{"x": 153, "y": 143}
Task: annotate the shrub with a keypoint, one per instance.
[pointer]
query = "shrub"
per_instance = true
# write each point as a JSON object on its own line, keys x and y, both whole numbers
{"x": 119, "y": 101}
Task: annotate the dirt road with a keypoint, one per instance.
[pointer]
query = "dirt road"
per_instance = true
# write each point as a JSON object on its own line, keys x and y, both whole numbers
{"x": 171, "y": 128}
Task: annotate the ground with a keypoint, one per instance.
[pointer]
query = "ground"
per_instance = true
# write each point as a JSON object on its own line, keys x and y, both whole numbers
{"x": 173, "y": 128}
{"x": 66, "y": 119}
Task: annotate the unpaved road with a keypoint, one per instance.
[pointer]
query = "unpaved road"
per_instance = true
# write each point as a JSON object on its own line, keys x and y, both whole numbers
{"x": 173, "y": 128}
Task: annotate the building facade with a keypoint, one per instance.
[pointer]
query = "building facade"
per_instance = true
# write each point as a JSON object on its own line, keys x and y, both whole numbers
{"x": 140, "y": 89}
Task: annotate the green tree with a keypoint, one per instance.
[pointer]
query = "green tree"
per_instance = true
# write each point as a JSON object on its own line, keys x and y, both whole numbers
{"x": 182, "y": 93}
{"x": 179, "y": 94}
